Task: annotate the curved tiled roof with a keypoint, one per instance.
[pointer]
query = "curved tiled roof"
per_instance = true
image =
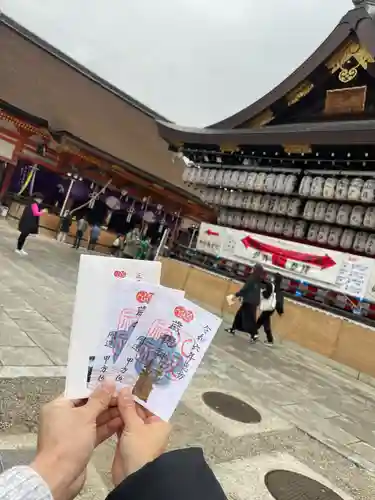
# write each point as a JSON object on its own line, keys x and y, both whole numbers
{"x": 358, "y": 21}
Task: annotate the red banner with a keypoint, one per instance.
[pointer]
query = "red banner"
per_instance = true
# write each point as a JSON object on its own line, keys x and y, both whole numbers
{"x": 280, "y": 256}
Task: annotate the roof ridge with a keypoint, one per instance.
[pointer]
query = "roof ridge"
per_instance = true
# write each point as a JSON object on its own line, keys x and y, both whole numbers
{"x": 55, "y": 52}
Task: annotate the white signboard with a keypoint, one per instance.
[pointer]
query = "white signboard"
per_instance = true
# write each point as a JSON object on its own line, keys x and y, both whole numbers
{"x": 331, "y": 269}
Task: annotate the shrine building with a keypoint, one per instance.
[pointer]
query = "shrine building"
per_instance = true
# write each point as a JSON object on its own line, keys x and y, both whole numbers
{"x": 298, "y": 165}
{"x": 59, "y": 121}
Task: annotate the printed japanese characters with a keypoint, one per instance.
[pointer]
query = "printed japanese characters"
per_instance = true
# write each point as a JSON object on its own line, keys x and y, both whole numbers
{"x": 164, "y": 351}
{"x": 125, "y": 306}
{"x": 98, "y": 281}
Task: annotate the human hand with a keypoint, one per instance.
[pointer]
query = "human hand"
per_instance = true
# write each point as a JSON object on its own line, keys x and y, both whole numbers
{"x": 69, "y": 431}
{"x": 143, "y": 438}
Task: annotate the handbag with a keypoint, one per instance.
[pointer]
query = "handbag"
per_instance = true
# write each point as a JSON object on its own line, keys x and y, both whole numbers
{"x": 270, "y": 303}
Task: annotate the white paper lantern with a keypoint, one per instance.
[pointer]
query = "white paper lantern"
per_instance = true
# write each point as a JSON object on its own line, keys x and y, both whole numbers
{"x": 290, "y": 184}
{"x": 347, "y": 239}
{"x": 246, "y": 202}
{"x": 294, "y": 207}
{"x": 309, "y": 210}
{"x": 211, "y": 176}
{"x": 300, "y": 230}
{"x": 255, "y": 203}
{"x": 357, "y": 215}
{"x": 270, "y": 224}
{"x": 253, "y": 221}
{"x": 270, "y": 182}
{"x": 369, "y": 219}
{"x": 323, "y": 233}
{"x": 329, "y": 188}
{"x": 280, "y": 184}
{"x": 251, "y": 178}
{"x": 242, "y": 180}
{"x": 317, "y": 187}
{"x": 343, "y": 215}
{"x": 289, "y": 228}
{"x": 232, "y": 199}
{"x": 234, "y": 179}
{"x": 334, "y": 236}
{"x": 259, "y": 181}
{"x": 305, "y": 186}
{"x": 312, "y": 234}
{"x": 370, "y": 245}
{"x": 238, "y": 200}
{"x": 246, "y": 221}
{"x": 355, "y": 189}
{"x": 360, "y": 242}
{"x": 320, "y": 211}
{"x": 261, "y": 224}
{"x": 342, "y": 188}
{"x": 265, "y": 203}
{"x": 368, "y": 191}
{"x": 217, "y": 197}
{"x": 225, "y": 198}
{"x": 283, "y": 205}
{"x": 219, "y": 178}
{"x": 274, "y": 204}
{"x": 279, "y": 225}
{"x": 227, "y": 178}
{"x": 331, "y": 213}
{"x": 237, "y": 219}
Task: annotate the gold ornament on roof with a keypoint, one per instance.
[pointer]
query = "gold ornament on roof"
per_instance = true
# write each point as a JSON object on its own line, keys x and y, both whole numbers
{"x": 299, "y": 92}
{"x": 352, "y": 50}
{"x": 260, "y": 120}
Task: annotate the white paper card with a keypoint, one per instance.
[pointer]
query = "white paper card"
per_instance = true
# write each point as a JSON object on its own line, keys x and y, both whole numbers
{"x": 96, "y": 275}
{"x": 127, "y": 301}
{"x": 164, "y": 351}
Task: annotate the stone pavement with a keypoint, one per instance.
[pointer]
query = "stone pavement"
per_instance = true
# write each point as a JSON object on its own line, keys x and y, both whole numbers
{"x": 296, "y": 412}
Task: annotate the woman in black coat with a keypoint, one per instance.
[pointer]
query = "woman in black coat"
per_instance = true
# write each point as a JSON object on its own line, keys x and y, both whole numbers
{"x": 29, "y": 221}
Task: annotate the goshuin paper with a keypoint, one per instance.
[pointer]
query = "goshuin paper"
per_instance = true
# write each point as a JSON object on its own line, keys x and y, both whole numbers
{"x": 97, "y": 276}
{"x": 126, "y": 305}
{"x": 164, "y": 351}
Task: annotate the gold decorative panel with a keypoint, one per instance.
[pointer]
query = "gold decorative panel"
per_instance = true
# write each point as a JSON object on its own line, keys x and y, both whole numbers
{"x": 342, "y": 61}
{"x": 297, "y": 149}
{"x": 228, "y": 148}
{"x": 260, "y": 120}
{"x": 299, "y": 92}
{"x": 344, "y": 101}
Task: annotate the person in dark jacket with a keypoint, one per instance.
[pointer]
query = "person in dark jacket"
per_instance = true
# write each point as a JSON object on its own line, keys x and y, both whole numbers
{"x": 245, "y": 319}
{"x": 70, "y": 431}
{"x": 269, "y": 288}
{"x": 65, "y": 223}
{"x": 29, "y": 222}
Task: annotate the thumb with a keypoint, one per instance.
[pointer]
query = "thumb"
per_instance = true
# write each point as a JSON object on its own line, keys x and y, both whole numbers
{"x": 101, "y": 398}
{"x": 127, "y": 409}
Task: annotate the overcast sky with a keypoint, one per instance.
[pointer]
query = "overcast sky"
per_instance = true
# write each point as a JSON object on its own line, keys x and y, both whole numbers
{"x": 193, "y": 61}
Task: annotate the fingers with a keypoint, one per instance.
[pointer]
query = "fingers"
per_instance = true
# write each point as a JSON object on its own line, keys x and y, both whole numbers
{"x": 100, "y": 399}
{"x": 128, "y": 411}
{"x": 107, "y": 430}
{"x": 107, "y": 415}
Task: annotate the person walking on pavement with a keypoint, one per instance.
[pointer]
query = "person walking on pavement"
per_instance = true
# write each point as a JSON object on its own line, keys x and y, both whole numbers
{"x": 29, "y": 222}
{"x": 245, "y": 319}
{"x": 82, "y": 226}
{"x": 267, "y": 308}
{"x": 65, "y": 223}
{"x": 94, "y": 236}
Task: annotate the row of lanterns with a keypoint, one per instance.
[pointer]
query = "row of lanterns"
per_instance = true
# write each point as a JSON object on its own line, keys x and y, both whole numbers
{"x": 344, "y": 215}
{"x": 335, "y": 237}
{"x": 356, "y": 189}
{"x": 241, "y": 179}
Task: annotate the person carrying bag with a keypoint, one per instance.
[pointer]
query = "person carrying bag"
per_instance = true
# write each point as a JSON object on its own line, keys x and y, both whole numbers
{"x": 267, "y": 307}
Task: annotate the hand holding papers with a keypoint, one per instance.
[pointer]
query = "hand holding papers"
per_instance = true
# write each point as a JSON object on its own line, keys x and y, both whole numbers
{"x": 145, "y": 336}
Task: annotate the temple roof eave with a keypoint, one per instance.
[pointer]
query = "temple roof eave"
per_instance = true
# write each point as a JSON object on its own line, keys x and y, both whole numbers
{"x": 322, "y": 133}
{"x": 356, "y": 21}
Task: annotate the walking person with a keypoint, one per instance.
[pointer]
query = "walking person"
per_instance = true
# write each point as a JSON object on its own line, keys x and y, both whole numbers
{"x": 245, "y": 319}
{"x": 82, "y": 226}
{"x": 65, "y": 223}
{"x": 29, "y": 222}
{"x": 267, "y": 308}
{"x": 94, "y": 236}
